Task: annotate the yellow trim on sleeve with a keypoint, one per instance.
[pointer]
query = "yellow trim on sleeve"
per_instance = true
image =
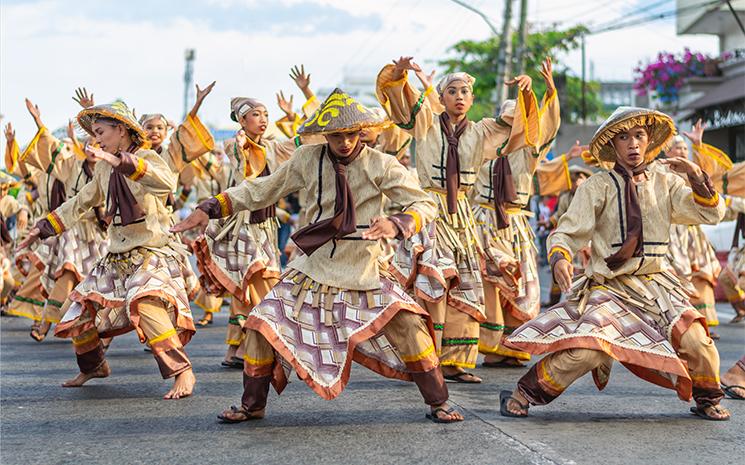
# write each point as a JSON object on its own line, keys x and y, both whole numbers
{"x": 710, "y": 202}
{"x": 417, "y": 219}
{"x": 225, "y": 207}
{"x": 721, "y": 158}
{"x": 558, "y": 249}
{"x": 196, "y": 123}
{"x": 140, "y": 170}
{"x": 162, "y": 337}
{"x": 398, "y": 82}
{"x": 307, "y": 103}
{"x": 428, "y": 91}
{"x": 565, "y": 161}
{"x": 33, "y": 143}
{"x": 56, "y": 223}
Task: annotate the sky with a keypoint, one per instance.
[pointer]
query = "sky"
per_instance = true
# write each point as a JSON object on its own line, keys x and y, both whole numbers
{"x": 134, "y": 50}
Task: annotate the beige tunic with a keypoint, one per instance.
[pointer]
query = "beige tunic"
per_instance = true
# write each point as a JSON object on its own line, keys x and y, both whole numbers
{"x": 354, "y": 263}
{"x": 597, "y": 214}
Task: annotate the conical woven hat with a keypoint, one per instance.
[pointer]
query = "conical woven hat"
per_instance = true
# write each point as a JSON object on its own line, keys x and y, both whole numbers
{"x": 660, "y": 130}
{"x": 118, "y": 111}
{"x": 340, "y": 113}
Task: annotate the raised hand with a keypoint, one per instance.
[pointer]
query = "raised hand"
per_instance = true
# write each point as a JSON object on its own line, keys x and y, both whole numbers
{"x": 696, "y": 134}
{"x": 82, "y": 97}
{"x": 547, "y": 71}
{"x": 98, "y": 154}
{"x": 10, "y": 133}
{"x": 577, "y": 150}
{"x": 404, "y": 64}
{"x": 427, "y": 80}
{"x": 201, "y": 94}
{"x": 523, "y": 82}
{"x": 285, "y": 105}
{"x": 71, "y": 131}
{"x": 302, "y": 80}
{"x": 34, "y": 112}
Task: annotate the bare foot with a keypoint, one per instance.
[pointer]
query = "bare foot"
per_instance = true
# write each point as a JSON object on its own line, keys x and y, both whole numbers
{"x": 443, "y": 413}
{"x": 496, "y": 361}
{"x": 712, "y": 412}
{"x": 102, "y": 372}
{"x": 183, "y": 385}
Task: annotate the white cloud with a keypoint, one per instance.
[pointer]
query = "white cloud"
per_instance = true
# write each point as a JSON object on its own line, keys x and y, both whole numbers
{"x": 46, "y": 51}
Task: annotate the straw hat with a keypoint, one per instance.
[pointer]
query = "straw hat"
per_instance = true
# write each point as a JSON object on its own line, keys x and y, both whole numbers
{"x": 660, "y": 130}
{"x": 340, "y": 113}
{"x": 117, "y": 111}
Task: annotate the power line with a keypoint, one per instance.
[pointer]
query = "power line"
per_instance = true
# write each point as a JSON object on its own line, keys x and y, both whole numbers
{"x": 625, "y": 22}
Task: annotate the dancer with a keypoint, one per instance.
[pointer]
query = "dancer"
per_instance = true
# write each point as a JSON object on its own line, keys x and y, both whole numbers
{"x": 441, "y": 265}
{"x": 336, "y": 296}
{"x": 143, "y": 283}
{"x": 626, "y": 307}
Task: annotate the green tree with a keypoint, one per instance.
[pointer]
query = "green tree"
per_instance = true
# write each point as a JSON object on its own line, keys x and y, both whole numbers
{"x": 479, "y": 59}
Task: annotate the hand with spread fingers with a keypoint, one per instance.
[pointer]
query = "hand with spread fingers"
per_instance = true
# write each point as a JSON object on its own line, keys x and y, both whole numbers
{"x": 201, "y": 95}
{"x": 302, "y": 80}
{"x": 547, "y": 71}
{"x": 404, "y": 64}
{"x": 523, "y": 82}
{"x": 197, "y": 219}
{"x": 577, "y": 150}
{"x": 286, "y": 105}
{"x": 35, "y": 113}
{"x": 10, "y": 133}
{"x": 684, "y": 166}
{"x": 82, "y": 97}
{"x": 696, "y": 134}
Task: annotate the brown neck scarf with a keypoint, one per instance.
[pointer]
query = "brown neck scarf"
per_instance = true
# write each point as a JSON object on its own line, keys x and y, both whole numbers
{"x": 121, "y": 200}
{"x": 4, "y": 233}
{"x": 452, "y": 166}
{"x": 633, "y": 245}
{"x": 57, "y": 195}
{"x": 503, "y": 188}
{"x": 344, "y": 221}
{"x": 259, "y": 216}
{"x": 739, "y": 230}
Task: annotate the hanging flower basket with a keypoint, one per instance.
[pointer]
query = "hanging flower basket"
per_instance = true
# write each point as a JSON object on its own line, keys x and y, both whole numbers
{"x": 665, "y": 76}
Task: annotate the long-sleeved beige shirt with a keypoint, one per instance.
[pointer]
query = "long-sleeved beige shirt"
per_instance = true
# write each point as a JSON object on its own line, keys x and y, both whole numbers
{"x": 597, "y": 215}
{"x": 150, "y": 180}
{"x": 413, "y": 112}
{"x": 348, "y": 263}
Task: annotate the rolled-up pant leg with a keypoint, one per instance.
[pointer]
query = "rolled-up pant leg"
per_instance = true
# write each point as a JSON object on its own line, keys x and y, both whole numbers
{"x": 63, "y": 286}
{"x": 548, "y": 378}
{"x": 698, "y": 350}
{"x": 162, "y": 337}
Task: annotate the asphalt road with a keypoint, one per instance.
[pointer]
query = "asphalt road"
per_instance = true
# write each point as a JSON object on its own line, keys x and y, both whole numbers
{"x": 122, "y": 420}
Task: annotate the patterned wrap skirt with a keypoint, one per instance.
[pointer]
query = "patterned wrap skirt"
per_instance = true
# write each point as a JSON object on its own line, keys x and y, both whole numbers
{"x": 636, "y": 320}
{"x": 232, "y": 250}
{"x": 77, "y": 249}
{"x": 112, "y": 289}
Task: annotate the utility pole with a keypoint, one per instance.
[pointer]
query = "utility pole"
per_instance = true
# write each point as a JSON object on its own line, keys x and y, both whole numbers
{"x": 505, "y": 47}
{"x": 522, "y": 37}
{"x": 189, "y": 55}
{"x": 584, "y": 83}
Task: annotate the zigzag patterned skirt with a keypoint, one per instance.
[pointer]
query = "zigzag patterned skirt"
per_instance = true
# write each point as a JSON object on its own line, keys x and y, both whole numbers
{"x": 77, "y": 249}
{"x": 637, "y": 320}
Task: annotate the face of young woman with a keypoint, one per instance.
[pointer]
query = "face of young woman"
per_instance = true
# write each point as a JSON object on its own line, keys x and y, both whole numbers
{"x": 342, "y": 144}
{"x": 680, "y": 149}
{"x": 156, "y": 130}
{"x": 457, "y": 98}
{"x": 110, "y": 138}
{"x": 255, "y": 122}
{"x": 631, "y": 146}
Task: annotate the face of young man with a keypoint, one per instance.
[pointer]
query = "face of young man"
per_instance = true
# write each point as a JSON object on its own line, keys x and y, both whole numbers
{"x": 457, "y": 98}
{"x": 369, "y": 136}
{"x": 631, "y": 146}
{"x": 342, "y": 144}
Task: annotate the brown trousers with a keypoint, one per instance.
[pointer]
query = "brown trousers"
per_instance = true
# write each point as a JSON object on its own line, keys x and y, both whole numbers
{"x": 548, "y": 378}
{"x": 405, "y": 331}
{"x": 157, "y": 327}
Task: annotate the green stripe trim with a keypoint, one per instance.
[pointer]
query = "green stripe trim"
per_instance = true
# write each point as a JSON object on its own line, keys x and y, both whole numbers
{"x": 460, "y": 341}
{"x": 55, "y": 303}
{"x": 493, "y": 327}
{"x": 297, "y": 141}
{"x": 700, "y": 306}
{"x": 50, "y": 168}
{"x": 546, "y": 145}
{"x": 236, "y": 320}
{"x": 502, "y": 122}
{"x": 29, "y": 300}
{"x": 414, "y": 111}
{"x": 438, "y": 326}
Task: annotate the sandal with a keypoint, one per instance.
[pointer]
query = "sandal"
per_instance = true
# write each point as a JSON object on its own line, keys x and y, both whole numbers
{"x": 730, "y": 391}
{"x": 246, "y": 415}
{"x": 205, "y": 321}
{"x": 502, "y": 364}
{"x": 432, "y": 416}
{"x": 701, "y": 412}
{"x": 738, "y": 318}
{"x": 36, "y": 335}
{"x": 506, "y": 396}
{"x": 459, "y": 378}
{"x": 232, "y": 364}
{"x": 714, "y": 336}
